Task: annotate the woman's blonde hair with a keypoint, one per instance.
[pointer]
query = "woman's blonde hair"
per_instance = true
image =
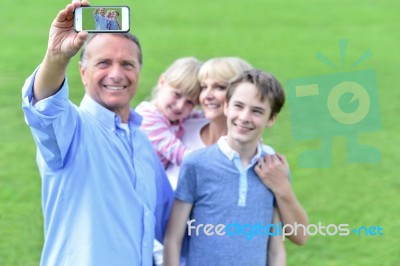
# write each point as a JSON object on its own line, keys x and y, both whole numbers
{"x": 223, "y": 69}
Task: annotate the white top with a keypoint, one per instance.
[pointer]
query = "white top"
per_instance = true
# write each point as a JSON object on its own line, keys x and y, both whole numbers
{"x": 191, "y": 139}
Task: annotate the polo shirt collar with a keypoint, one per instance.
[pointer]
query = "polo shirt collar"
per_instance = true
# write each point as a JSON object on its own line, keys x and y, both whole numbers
{"x": 231, "y": 154}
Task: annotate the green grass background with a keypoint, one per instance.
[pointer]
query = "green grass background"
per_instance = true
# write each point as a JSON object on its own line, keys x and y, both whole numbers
{"x": 280, "y": 36}
{"x": 87, "y": 19}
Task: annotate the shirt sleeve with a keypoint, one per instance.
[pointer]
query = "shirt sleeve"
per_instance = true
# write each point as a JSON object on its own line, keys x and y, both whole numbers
{"x": 52, "y": 122}
{"x": 164, "y": 140}
{"x": 165, "y": 197}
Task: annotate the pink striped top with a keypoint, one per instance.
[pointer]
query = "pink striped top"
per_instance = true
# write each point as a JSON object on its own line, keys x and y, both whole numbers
{"x": 164, "y": 136}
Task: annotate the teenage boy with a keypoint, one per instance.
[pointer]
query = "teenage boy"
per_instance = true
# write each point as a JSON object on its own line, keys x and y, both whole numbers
{"x": 229, "y": 207}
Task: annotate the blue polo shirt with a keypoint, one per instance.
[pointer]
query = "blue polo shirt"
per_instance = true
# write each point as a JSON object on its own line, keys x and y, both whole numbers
{"x": 113, "y": 25}
{"x": 224, "y": 194}
{"x": 103, "y": 187}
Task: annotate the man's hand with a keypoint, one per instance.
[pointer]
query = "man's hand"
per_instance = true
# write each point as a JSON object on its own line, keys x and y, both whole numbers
{"x": 273, "y": 170}
{"x": 64, "y": 42}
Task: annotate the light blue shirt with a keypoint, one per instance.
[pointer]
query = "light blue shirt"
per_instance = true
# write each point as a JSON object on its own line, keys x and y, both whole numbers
{"x": 101, "y": 189}
{"x": 234, "y": 156}
{"x": 113, "y": 25}
{"x": 100, "y": 21}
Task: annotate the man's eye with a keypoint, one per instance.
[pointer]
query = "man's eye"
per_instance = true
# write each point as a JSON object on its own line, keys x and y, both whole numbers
{"x": 102, "y": 64}
{"x": 129, "y": 65}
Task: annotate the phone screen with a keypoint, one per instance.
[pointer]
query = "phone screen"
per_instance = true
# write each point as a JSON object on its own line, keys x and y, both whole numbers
{"x": 102, "y": 19}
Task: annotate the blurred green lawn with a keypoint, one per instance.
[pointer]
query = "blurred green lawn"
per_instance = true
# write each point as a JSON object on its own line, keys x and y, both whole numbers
{"x": 280, "y": 36}
{"x": 87, "y": 19}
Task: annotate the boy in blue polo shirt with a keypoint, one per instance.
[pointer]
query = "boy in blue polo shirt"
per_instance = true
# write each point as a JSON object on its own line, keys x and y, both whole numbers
{"x": 229, "y": 207}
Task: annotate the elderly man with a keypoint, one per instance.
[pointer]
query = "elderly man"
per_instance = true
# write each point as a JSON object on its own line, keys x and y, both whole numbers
{"x": 105, "y": 196}
{"x": 100, "y": 19}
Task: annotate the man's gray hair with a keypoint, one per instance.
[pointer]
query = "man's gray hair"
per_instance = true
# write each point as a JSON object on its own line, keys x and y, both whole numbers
{"x": 126, "y": 35}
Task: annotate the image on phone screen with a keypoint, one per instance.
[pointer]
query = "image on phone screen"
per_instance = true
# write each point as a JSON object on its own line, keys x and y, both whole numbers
{"x": 102, "y": 19}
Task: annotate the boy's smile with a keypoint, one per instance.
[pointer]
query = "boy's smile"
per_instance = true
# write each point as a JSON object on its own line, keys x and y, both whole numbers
{"x": 242, "y": 128}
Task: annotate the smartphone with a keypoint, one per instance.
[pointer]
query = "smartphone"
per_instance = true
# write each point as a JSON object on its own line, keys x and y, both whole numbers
{"x": 102, "y": 19}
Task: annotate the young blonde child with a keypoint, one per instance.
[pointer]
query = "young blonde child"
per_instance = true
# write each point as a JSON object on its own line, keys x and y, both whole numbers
{"x": 173, "y": 100}
{"x": 108, "y": 14}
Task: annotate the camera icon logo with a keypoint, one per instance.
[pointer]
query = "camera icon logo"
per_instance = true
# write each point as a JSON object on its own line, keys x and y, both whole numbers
{"x": 339, "y": 104}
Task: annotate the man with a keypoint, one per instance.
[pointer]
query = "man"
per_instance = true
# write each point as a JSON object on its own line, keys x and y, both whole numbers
{"x": 100, "y": 19}
{"x": 104, "y": 192}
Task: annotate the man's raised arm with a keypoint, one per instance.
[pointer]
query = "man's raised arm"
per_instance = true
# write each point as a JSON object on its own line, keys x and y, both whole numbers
{"x": 63, "y": 44}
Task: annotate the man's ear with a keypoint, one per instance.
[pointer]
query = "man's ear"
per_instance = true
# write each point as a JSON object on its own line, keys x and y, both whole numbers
{"x": 271, "y": 120}
{"x": 82, "y": 70}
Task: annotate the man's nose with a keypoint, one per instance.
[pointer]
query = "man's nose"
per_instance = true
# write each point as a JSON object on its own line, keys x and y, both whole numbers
{"x": 116, "y": 73}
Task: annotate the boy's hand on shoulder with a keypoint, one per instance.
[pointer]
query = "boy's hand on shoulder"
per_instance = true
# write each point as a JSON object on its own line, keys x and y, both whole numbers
{"x": 273, "y": 170}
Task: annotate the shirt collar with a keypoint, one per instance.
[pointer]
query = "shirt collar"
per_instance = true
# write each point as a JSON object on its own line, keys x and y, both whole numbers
{"x": 231, "y": 154}
{"x": 108, "y": 118}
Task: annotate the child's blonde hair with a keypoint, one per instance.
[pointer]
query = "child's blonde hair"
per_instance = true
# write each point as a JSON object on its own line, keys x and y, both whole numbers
{"x": 223, "y": 69}
{"x": 182, "y": 74}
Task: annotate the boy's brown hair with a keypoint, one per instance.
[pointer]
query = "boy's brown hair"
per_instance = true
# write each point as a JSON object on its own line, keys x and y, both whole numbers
{"x": 267, "y": 85}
